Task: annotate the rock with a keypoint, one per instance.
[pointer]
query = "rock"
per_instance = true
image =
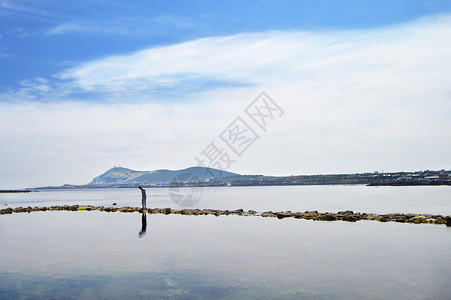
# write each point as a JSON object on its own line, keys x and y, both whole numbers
{"x": 327, "y": 217}
{"x": 298, "y": 215}
{"x": 196, "y": 212}
{"x": 382, "y": 218}
{"x": 348, "y": 215}
{"x": 350, "y": 218}
{"x": 6, "y": 211}
{"x": 128, "y": 209}
{"x": 418, "y": 219}
{"x": 220, "y": 212}
{"x": 19, "y": 209}
{"x": 114, "y": 203}
{"x": 400, "y": 218}
{"x": 283, "y": 214}
{"x": 268, "y": 214}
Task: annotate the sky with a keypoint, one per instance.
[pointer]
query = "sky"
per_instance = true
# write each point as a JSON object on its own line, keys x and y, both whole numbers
{"x": 349, "y": 86}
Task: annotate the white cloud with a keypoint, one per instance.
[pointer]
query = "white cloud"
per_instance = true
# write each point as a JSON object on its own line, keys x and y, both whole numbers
{"x": 73, "y": 26}
{"x": 348, "y": 59}
{"x": 354, "y": 101}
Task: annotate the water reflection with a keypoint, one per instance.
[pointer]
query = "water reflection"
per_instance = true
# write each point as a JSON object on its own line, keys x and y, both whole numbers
{"x": 143, "y": 225}
{"x": 226, "y": 257}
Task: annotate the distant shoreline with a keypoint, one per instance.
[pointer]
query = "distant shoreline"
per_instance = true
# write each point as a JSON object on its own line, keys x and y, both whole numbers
{"x": 14, "y": 191}
{"x": 410, "y": 184}
{"x": 93, "y": 187}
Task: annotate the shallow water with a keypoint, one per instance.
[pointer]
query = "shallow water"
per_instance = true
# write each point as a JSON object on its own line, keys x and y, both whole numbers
{"x": 98, "y": 255}
{"x": 412, "y": 199}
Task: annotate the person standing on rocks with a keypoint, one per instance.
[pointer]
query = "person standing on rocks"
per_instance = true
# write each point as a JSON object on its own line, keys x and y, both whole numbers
{"x": 143, "y": 197}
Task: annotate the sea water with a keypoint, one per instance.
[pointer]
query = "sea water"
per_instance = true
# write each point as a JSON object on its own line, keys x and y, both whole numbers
{"x": 99, "y": 255}
{"x": 324, "y": 198}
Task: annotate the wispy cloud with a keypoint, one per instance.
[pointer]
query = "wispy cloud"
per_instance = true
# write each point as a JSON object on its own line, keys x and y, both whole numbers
{"x": 73, "y": 26}
{"x": 8, "y": 7}
{"x": 361, "y": 59}
{"x": 123, "y": 26}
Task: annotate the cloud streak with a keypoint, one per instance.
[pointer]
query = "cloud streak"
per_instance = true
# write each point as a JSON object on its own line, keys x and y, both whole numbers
{"x": 129, "y": 27}
{"x": 362, "y": 58}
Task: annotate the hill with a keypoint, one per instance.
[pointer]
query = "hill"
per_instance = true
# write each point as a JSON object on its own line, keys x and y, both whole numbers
{"x": 124, "y": 176}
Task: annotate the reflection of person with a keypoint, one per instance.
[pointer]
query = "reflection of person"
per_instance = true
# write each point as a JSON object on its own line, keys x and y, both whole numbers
{"x": 143, "y": 225}
{"x": 144, "y": 197}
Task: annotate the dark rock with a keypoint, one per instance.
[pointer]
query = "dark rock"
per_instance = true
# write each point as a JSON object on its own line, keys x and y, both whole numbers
{"x": 327, "y": 217}
{"x": 128, "y": 209}
{"x": 268, "y": 214}
{"x": 6, "y": 211}
{"x": 19, "y": 209}
{"x": 382, "y": 219}
{"x": 283, "y": 214}
{"x": 348, "y": 215}
{"x": 400, "y": 219}
{"x": 350, "y": 218}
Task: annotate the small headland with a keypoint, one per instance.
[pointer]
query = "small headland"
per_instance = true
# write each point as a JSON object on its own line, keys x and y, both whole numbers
{"x": 14, "y": 191}
{"x": 348, "y": 216}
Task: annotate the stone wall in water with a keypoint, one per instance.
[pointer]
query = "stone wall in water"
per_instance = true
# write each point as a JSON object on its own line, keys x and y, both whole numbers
{"x": 348, "y": 215}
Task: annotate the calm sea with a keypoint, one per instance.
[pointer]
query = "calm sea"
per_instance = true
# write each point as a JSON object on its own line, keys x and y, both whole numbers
{"x": 99, "y": 255}
{"x": 331, "y": 198}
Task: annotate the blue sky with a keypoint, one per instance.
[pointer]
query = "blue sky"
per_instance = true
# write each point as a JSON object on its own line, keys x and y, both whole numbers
{"x": 85, "y": 85}
{"x": 39, "y": 38}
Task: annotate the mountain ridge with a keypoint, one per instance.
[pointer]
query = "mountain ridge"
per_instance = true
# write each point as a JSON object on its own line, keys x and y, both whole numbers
{"x": 121, "y": 176}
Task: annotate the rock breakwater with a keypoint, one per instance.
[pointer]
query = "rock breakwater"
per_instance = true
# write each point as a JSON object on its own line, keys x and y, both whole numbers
{"x": 348, "y": 216}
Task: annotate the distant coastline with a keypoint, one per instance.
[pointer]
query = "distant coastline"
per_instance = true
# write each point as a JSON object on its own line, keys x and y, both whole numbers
{"x": 208, "y": 177}
{"x": 119, "y": 177}
{"x": 14, "y": 191}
